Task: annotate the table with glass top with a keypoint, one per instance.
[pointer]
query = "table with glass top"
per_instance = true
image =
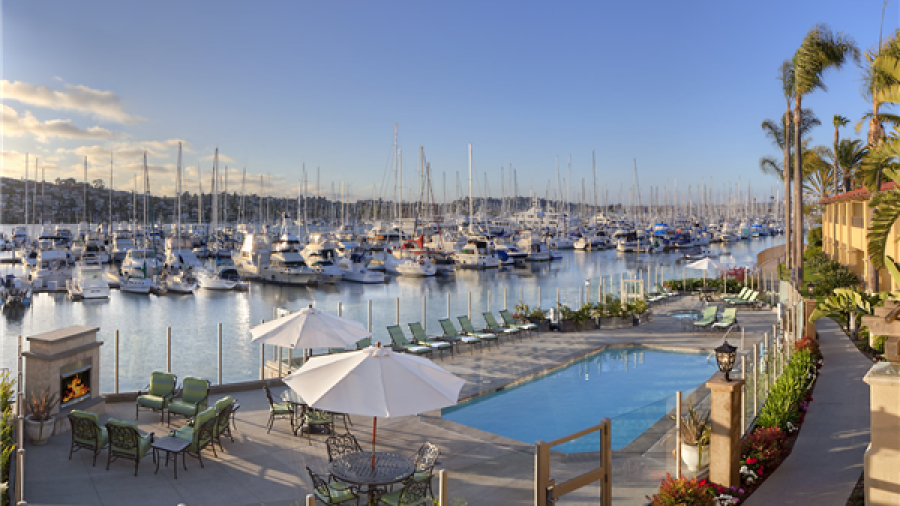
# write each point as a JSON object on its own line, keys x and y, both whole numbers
{"x": 358, "y": 469}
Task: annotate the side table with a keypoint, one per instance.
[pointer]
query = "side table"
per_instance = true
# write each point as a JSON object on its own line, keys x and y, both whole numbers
{"x": 172, "y": 446}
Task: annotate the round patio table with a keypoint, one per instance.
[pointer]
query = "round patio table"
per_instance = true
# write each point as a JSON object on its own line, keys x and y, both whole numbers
{"x": 356, "y": 468}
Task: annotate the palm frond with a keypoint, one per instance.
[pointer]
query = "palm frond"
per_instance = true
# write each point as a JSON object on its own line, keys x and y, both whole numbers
{"x": 772, "y": 167}
{"x": 820, "y": 50}
{"x": 885, "y": 211}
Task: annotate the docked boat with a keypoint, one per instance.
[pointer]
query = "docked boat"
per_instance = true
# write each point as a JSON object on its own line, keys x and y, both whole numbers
{"x": 320, "y": 253}
{"x": 141, "y": 262}
{"x": 136, "y": 283}
{"x": 15, "y": 293}
{"x": 477, "y": 254}
{"x": 88, "y": 280}
{"x": 537, "y": 250}
{"x": 415, "y": 267}
{"x": 225, "y": 276}
{"x": 354, "y": 264}
{"x": 53, "y": 266}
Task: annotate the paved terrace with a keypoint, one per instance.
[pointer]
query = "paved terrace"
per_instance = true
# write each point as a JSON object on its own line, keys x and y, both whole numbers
{"x": 269, "y": 469}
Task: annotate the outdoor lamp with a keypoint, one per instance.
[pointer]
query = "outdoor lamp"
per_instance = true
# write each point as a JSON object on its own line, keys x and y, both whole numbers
{"x": 725, "y": 358}
{"x": 811, "y": 288}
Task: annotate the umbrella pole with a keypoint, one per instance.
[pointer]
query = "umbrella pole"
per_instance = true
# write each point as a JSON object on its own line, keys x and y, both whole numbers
{"x": 374, "y": 431}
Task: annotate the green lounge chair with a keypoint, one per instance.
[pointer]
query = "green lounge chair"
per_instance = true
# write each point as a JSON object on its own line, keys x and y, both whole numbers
{"x": 729, "y": 318}
{"x": 450, "y": 332}
{"x": 200, "y": 435}
{"x": 157, "y": 394}
{"x": 278, "y": 410}
{"x": 492, "y": 324}
{"x": 194, "y": 398}
{"x": 745, "y": 292}
{"x": 749, "y": 301}
{"x": 466, "y": 325}
{"x": 87, "y": 433}
{"x": 511, "y": 322}
{"x": 419, "y": 335}
{"x": 413, "y": 493}
{"x": 364, "y": 343}
{"x": 127, "y": 441}
{"x": 708, "y": 317}
{"x": 400, "y": 343}
{"x": 332, "y": 491}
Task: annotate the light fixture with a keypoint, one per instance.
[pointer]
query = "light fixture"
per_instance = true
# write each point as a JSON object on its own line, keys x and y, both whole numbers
{"x": 811, "y": 288}
{"x": 725, "y": 358}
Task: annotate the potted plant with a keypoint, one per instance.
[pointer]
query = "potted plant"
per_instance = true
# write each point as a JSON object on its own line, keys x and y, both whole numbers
{"x": 639, "y": 310}
{"x": 573, "y": 320}
{"x": 39, "y": 423}
{"x": 695, "y": 432}
{"x": 538, "y": 317}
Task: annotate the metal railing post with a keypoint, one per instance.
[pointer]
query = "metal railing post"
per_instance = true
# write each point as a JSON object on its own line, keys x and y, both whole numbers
{"x": 505, "y": 299}
{"x": 540, "y": 298}
{"x": 489, "y": 301}
{"x": 744, "y": 394}
{"x": 168, "y": 349}
{"x": 448, "y": 305}
{"x": 220, "y": 355}
{"x": 340, "y": 308}
{"x": 424, "y": 308}
{"x": 116, "y": 379}
{"x": 443, "y": 498}
{"x": 262, "y": 359}
{"x": 678, "y": 433}
{"x": 469, "y": 314}
{"x": 755, "y": 378}
{"x": 398, "y": 311}
{"x": 369, "y": 326}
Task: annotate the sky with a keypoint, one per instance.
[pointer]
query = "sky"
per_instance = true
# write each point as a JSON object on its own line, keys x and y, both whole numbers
{"x": 679, "y": 87}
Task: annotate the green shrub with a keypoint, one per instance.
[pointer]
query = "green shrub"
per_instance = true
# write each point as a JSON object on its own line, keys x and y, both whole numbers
{"x": 814, "y": 237}
{"x": 878, "y": 344}
{"x": 683, "y": 491}
{"x": 783, "y": 401}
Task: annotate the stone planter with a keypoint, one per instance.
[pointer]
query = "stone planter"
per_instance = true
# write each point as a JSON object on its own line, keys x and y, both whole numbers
{"x": 573, "y": 326}
{"x": 605, "y": 322}
{"x": 625, "y": 321}
{"x": 542, "y": 325}
{"x": 689, "y": 455}
{"x": 643, "y": 318}
{"x": 36, "y": 433}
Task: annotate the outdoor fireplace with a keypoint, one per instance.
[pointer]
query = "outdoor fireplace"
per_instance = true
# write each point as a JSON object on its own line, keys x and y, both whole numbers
{"x": 74, "y": 383}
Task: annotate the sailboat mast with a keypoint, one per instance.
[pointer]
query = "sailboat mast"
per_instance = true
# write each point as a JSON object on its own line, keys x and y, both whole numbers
{"x": 199, "y": 197}
{"x": 400, "y": 187}
{"x": 110, "y": 189}
{"x": 146, "y": 192}
{"x": 178, "y": 199}
{"x": 84, "y": 197}
{"x": 214, "y": 190}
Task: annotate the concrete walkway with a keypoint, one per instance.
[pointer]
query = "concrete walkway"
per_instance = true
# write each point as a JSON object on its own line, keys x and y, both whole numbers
{"x": 828, "y": 455}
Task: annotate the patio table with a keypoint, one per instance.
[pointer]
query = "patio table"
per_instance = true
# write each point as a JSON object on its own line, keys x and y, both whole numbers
{"x": 357, "y": 469}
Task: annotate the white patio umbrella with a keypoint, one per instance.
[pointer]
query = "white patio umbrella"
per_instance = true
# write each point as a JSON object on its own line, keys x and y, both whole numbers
{"x": 375, "y": 382}
{"x": 310, "y": 328}
{"x": 704, "y": 264}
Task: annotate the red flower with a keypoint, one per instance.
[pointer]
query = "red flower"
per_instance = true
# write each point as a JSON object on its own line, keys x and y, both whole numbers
{"x": 752, "y": 460}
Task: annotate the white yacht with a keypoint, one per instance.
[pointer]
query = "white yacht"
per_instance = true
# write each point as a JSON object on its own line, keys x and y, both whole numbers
{"x": 141, "y": 262}
{"x": 536, "y": 249}
{"x": 477, "y": 255}
{"x": 136, "y": 282}
{"x": 320, "y": 253}
{"x": 88, "y": 280}
{"x": 415, "y": 267}
{"x": 224, "y": 277}
{"x": 122, "y": 243}
{"x": 52, "y": 266}
{"x": 354, "y": 261}
{"x": 254, "y": 255}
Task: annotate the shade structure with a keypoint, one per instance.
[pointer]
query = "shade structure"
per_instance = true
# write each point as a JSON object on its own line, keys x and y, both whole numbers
{"x": 375, "y": 381}
{"x": 310, "y": 328}
{"x": 704, "y": 264}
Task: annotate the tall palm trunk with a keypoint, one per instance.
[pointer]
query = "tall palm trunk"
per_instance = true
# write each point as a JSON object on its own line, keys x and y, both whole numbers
{"x": 838, "y": 173}
{"x": 787, "y": 187}
{"x": 798, "y": 198}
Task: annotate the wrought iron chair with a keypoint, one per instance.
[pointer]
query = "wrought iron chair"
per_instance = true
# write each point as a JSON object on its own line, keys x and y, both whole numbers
{"x": 194, "y": 398}
{"x": 278, "y": 410}
{"x": 87, "y": 433}
{"x": 313, "y": 418}
{"x": 413, "y": 493}
{"x": 200, "y": 434}
{"x": 224, "y": 411}
{"x": 332, "y": 491}
{"x": 341, "y": 444}
{"x": 157, "y": 394}
{"x": 425, "y": 459}
{"x": 127, "y": 441}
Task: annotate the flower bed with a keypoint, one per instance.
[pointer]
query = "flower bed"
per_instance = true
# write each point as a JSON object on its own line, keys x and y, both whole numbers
{"x": 765, "y": 448}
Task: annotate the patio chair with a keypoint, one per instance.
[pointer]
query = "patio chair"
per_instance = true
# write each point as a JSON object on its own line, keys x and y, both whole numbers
{"x": 339, "y": 445}
{"x": 450, "y": 332}
{"x": 194, "y": 398}
{"x": 200, "y": 435}
{"x": 425, "y": 459}
{"x": 419, "y": 335}
{"x": 413, "y": 493}
{"x": 314, "y": 418}
{"x": 278, "y": 410}
{"x": 751, "y": 300}
{"x": 127, "y": 441}
{"x": 492, "y": 324}
{"x": 511, "y": 322}
{"x": 224, "y": 411}
{"x": 332, "y": 491}
{"x": 744, "y": 293}
{"x": 466, "y": 325}
{"x": 157, "y": 394}
{"x": 87, "y": 433}
{"x": 401, "y": 344}
{"x": 708, "y": 317}
{"x": 729, "y": 318}
{"x": 364, "y": 343}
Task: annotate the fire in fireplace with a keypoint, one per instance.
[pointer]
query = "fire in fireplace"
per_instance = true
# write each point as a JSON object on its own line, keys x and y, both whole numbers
{"x": 75, "y": 386}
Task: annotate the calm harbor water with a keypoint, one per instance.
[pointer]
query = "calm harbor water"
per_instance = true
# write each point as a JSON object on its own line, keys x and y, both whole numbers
{"x": 142, "y": 320}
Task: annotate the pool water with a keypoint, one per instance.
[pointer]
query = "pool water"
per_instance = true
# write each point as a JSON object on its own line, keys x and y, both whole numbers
{"x": 686, "y": 313}
{"x": 633, "y": 386}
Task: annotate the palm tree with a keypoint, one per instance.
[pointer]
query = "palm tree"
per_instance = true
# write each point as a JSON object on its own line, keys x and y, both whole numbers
{"x": 819, "y": 51}
{"x": 780, "y": 134}
{"x": 818, "y": 173}
{"x": 839, "y": 121}
{"x": 849, "y": 155}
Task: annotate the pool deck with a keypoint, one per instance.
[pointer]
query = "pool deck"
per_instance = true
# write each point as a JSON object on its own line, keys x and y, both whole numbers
{"x": 260, "y": 468}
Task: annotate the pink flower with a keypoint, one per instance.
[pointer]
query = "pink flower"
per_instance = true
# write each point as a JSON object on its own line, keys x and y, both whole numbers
{"x": 752, "y": 460}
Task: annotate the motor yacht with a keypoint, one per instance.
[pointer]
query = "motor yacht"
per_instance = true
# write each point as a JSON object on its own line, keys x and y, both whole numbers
{"x": 88, "y": 280}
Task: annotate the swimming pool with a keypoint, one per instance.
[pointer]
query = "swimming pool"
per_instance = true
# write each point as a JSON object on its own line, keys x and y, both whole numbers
{"x": 633, "y": 386}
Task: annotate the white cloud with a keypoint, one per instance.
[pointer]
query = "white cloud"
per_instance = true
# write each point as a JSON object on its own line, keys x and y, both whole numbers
{"x": 223, "y": 158}
{"x": 128, "y": 150}
{"x": 104, "y": 105}
{"x": 17, "y": 126}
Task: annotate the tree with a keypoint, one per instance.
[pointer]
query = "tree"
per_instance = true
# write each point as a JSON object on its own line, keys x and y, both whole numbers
{"x": 779, "y": 133}
{"x": 849, "y": 156}
{"x": 839, "y": 121}
{"x": 819, "y": 51}
{"x": 98, "y": 184}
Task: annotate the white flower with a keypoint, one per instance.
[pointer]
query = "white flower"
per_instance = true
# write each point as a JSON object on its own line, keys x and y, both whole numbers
{"x": 791, "y": 427}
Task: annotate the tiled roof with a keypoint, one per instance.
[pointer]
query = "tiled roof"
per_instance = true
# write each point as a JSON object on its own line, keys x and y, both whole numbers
{"x": 859, "y": 194}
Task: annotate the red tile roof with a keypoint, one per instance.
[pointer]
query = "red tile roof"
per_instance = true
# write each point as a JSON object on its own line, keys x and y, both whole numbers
{"x": 859, "y": 194}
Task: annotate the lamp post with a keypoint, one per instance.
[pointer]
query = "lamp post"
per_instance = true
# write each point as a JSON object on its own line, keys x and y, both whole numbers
{"x": 725, "y": 358}
{"x": 811, "y": 289}
{"x": 587, "y": 290}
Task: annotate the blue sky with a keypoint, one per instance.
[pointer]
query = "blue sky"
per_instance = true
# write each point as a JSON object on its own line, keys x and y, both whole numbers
{"x": 680, "y": 86}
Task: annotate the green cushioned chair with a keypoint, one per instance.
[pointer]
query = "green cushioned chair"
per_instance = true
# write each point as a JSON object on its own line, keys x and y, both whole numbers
{"x": 708, "y": 317}
{"x": 468, "y": 329}
{"x": 278, "y": 410}
{"x": 413, "y": 493}
{"x": 157, "y": 394}
{"x": 87, "y": 433}
{"x": 127, "y": 441}
{"x": 194, "y": 398}
{"x": 224, "y": 411}
{"x": 450, "y": 332}
{"x": 494, "y": 326}
{"x": 364, "y": 343}
{"x": 200, "y": 434}
{"x": 510, "y": 321}
{"x": 400, "y": 343}
{"x": 745, "y": 292}
{"x": 332, "y": 491}
{"x": 729, "y": 318}
{"x": 314, "y": 418}
{"x": 419, "y": 335}
{"x": 426, "y": 457}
